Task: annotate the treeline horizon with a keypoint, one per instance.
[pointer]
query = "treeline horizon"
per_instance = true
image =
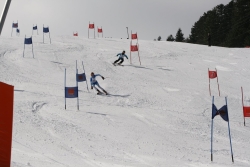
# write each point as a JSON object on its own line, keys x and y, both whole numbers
{"x": 228, "y": 26}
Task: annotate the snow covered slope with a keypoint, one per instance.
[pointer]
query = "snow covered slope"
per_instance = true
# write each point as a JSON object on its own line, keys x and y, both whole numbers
{"x": 157, "y": 114}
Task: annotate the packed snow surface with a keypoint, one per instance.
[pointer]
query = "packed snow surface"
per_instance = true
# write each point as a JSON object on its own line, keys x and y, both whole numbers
{"x": 158, "y": 114}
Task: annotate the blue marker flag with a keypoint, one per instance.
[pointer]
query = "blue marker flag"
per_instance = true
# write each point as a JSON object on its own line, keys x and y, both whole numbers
{"x": 214, "y": 111}
{"x": 14, "y": 25}
{"x": 80, "y": 77}
{"x": 35, "y": 28}
{"x": 71, "y": 92}
{"x": 45, "y": 30}
{"x": 223, "y": 112}
{"x": 28, "y": 41}
{"x": 17, "y": 30}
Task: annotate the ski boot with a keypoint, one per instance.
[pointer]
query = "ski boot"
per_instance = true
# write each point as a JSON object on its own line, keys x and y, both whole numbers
{"x": 105, "y": 92}
{"x": 99, "y": 92}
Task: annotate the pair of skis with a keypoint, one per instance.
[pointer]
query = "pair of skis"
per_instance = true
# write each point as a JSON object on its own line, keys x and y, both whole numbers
{"x": 117, "y": 64}
{"x": 102, "y": 93}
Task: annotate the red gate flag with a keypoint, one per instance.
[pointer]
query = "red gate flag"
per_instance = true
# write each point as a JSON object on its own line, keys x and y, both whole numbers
{"x": 134, "y": 48}
{"x": 134, "y": 36}
{"x": 91, "y": 26}
{"x": 100, "y": 30}
{"x": 212, "y": 74}
{"x": 75, "y": 34}
{"x": 6, "y": 122}
{"x": 246, "y": 109}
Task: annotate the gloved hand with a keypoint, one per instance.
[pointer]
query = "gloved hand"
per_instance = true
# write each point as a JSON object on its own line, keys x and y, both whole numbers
{"x": 102, "y": 77}
{"x": 91, "y": 87}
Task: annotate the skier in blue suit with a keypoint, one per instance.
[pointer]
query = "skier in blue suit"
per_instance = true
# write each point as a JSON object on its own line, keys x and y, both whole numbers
{"x": 94, "y": 83}
{"x": 121, "y": 58}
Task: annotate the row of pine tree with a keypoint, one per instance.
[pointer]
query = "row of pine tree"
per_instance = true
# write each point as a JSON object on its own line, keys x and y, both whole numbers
{"x": 178, "y": 38}
{"x": 228, "y": 26}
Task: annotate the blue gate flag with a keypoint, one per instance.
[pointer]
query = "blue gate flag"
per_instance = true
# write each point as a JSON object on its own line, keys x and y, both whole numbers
{"x": 223, "y": 112}
{"x": 214, "y": 111}
{"x": 45, "y": 30}
{"x": 35, "y": 28}
{"x": 14, "y": 25}
{"x": 71, "y": 92}
{"x": 80, "y": 77}
{"x": 28, "y": 41}
{"x": 17, "y": 30}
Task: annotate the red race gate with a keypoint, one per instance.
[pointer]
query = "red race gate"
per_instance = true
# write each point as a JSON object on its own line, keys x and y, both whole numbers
{"x": 213, "y": 75}
{"x": 6, "y": 123}
{"x": 246, "y": 109}
{"x": 91, "y": 26}
{"x": 75, "y": 34}
{"x": 134, "y": 48}
{"x": 99, "y": 30}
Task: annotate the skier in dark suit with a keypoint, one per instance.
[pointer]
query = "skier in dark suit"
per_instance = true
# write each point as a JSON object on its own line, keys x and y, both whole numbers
{"x": 121, "y": 58}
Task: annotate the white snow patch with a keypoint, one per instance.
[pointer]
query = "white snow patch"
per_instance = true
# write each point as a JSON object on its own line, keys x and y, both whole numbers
{"x": 172, "y": 89}
{"x": 210, "y": 61}
{"x": 222, "y": 68}
{"x": 139, "y": 124}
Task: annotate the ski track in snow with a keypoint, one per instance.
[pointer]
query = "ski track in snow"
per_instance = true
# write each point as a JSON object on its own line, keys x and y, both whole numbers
{"x": 157, "y": 114}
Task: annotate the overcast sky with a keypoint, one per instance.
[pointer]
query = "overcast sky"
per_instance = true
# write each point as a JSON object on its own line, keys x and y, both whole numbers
{"x": 150, "y": 18}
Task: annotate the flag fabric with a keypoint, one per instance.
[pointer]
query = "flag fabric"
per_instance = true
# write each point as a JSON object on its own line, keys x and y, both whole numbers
{"x": 17, "y": 30}
{"x": 246, "y": 111}
{"x": 28, "y": 41}
{"x": 99, "y": 30}
{"x": 15, "y": 25}
{"x": 223, "y": 112}
{"x": 91, "y": 26}
{"x": 46, "y": 30}
{"x": 6, "y": 123}
{"x": 134, "y": 36}
{"x": 134, "y": 48}
{"x": 35, "y": 28}
{"x": 71, "y": 92}
{"x": 214, "y": 111}
{"x": 212, "y": 74}
{"x": 80, "y": 77}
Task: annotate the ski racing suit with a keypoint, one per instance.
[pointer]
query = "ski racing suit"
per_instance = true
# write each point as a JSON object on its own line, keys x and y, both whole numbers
{"x": 94, "y": 82}
{"x": 121, "y": 58}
